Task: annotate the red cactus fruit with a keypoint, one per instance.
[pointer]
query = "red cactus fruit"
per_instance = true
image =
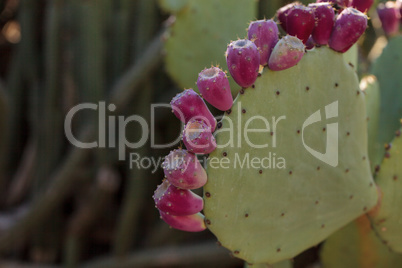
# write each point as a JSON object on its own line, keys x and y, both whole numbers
{"x": 214, "y": 86}
{"x": 198, "y": 138}
{"x": 243, "y": 60}
{"x": 264, "y": 34}
{"x": 300, "y": 22}
{"x": 189, "y": 105}
{"x": 175, "y": 201}
{"x": 310, "y": 44}
{"x": 348, "y": 28}
{"x": 362, "y": 5}
{"x": 324, "y": 15}
{"x": 389, "y": 16}
{"x": 190, "y": 223}
{"x": 281, "y": 13}
{"x": 183, "y": 170}
{"x": 287, "y": 53}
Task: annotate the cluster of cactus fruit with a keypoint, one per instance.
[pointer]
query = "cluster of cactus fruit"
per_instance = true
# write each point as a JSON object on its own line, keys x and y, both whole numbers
{"x": 316, "y": 36}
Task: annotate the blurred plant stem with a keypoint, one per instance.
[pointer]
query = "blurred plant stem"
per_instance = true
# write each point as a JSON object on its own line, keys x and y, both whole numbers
{"x": 64, "y": 179}
{"x": 135, "y": 194}
{"x": 106, "y": 184}
{"x": 22, "y": 76}
{"x": 49, "y": 137}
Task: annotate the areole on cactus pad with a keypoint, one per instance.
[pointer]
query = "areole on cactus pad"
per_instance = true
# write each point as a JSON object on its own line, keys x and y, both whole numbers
{"x": 265, "y": 214}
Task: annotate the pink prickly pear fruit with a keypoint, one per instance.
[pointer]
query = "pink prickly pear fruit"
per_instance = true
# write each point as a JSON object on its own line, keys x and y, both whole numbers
{"x": 264, "y": 34}
{"x": 243, "y": 60}
{"x": 175, "y": 201}
{"x": 189, "y": 105}
{"x": 300, "y": 22}
{"x": 287, "y": 53}
{"x": 362, "y": 5}
{"x": 198, "y": 138}
{"x": 215, "y": 89}
{"x": 348, "y": 28}
{"x": 389, "y": 16}
{"x": 281, "y": 14}
{"x": 183, "y": 170}
{"x": 190, "y": 223}
{"x": 310, "y": 44}
{"x": 324, "y": 15}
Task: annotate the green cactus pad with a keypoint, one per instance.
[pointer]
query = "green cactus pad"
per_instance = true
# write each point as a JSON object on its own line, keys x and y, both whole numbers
{"x": 265, "y": 214}
{"x": 356, "y": 245}
{"x": 387, "y": 217}
{"x": 369, "y": 85}
{"x": 351, "y": 56}
{"x": 387, "y": 68}
{"x": 200, "y": 34}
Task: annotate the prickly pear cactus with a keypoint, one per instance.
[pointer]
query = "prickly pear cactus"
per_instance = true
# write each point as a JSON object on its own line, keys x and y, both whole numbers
{"x": 357, "y": 245}
{"x": 387, "y": 68}
{"x": 199, "y": 34}
{"x": 294, "y": 168}
{"x": 370, "y": 87}
{"x": 387, "y": 217}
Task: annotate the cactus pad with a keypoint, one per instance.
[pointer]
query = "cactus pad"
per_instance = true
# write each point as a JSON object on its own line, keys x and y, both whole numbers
{"x": 200, "y": 33}
{"x": 357, "y": 245}
{"x": 369, "y": 85}
{"x": 387, "y": 217}
{"x": 387, "y": 68}
{"x": 284, "y": 200}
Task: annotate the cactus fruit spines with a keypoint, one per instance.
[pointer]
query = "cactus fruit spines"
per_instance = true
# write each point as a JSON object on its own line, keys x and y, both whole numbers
{"x": 198, "y": 138}
{"x": 300, "y": 22}
{"x": 264, "y": 34}
{"x": 269, "y": 200}
{"x": 214, "y": 87}
{"x": 189, "y": 105}
{"x": 175, "y": 201}
{"x": 243, "y": 60}
{"x": 362, "y": 5}
{"x": 190, "y": 223}
{"x": 348, "y": 28}
{"x": 183, "y": 170}
{"x": 324, "y": 16}
{"x": 389, "y": 16}
{"x": 357, "y": 245}
{"x": 386, "y": 219}
{"x": 286, "y": 53}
